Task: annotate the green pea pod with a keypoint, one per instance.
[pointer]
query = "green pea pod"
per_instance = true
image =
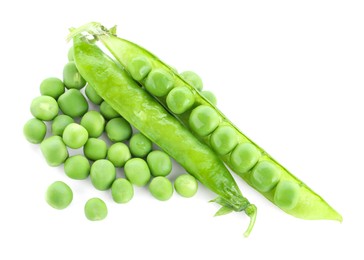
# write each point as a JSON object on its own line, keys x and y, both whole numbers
{"x": 240, "y": 153}
{"x": 134, "y": 104}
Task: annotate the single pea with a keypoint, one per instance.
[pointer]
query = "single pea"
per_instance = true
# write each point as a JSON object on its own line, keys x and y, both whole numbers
{"x": 94, "y": 123}
{"x": 73, "y": 103}
{"x": 265, "y": 176}
{"x": 224, "y": 139}
{"x": 186, "y": 185}
{"x": 159, "y": 82}
{"x": 95, "y": 149}
{"x": 137, "y": 171}
{"x": 95, "y": 209}
{"x": 244, "y": 157}
{"x": 75, "y": 135}
{"x": 118, "y": 154}
{"x": 92, "y": 95}
{"x": 140, "y": 145}
{"x": 52, "y": 87}
{"x": 287, "y": 194}
{"x": 70, "y": 54}
{"x": 122, "y": 190}
{"x": 107, "y": 111}
{"x": 102, "y": 174}
{"x": 59, "y": 195}
{"x": 71, "y": 77}
{"x": 118, "y": 129}
{"x": 193, "y": 79}
{"x": 204, "y": 120}
{"x": 77, "y": 167}
{"x": 159, "y": 163}
{"x": 34, "y": 130}
{"x": 60, "y": 123}
{"x": 139, "y": 67}
{"x": 54, "y": 150}
{"x": 161, "y": 188}
{"x": 44, "y": 108}
{"x": 209, "y": 96}
{"x": 180, "y": 99}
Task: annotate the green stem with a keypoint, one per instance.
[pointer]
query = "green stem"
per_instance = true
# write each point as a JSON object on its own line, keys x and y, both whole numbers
{"x": 251, "y": 211}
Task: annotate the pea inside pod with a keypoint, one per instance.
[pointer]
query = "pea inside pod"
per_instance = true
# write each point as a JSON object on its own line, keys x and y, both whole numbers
{"x": 265, "y": 176}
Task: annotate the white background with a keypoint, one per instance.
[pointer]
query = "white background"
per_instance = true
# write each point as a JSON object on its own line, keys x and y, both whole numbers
{"x": 289, "y": 74}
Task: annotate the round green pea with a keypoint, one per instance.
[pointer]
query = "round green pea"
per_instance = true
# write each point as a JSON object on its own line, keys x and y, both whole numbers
{"x": 122, "y": 190}
{"x": 265, "y": 176}
{"x": 161, "y": 188}
{"x": 118, "y": 154}
{"x": 95, "y": 149}
{"x": 180, "y": 99}
{"x": 287, "y": 194}
{"x": 139, "y": 67}
{"x": 186, "y": 185}
{"x": 44, "y": 108}
{"x": 102, "y": 174}
{"x": 209, "y": 96}
{"x": 59, "y": 195}
{"x": 75, "y": 135}
{"x": 224, "y": 139}
{"x": 52, "y": 87}
{"x": 60, "y": 123}
{"x": 95, "y": 209}
{"x": 118, "y": 129}
{"x": 159, "y": 163}
{"x": 94, "y": 123}
{"x": 34, "y": 130}
{"x": 54, "y": 150}
{"x": 71, "y": 77}
{"x": 244, "y": 157}
{"x": 92, "y": 95}
{"x": 137, "y": 171}
{"x": 159, "y": 82}
{"x": 77, "y": 167}
{"x": 140, "y": 145}
{"x": 204, "y": 120}
{"x": 73, "y": 103}
{"x": 193, "y": 79}
{"x": 107, "y": 111}
{"x": 70, "y": 54}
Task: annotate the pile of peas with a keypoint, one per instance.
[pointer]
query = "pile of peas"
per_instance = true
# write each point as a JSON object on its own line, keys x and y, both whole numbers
{"x": 63, "y": 106}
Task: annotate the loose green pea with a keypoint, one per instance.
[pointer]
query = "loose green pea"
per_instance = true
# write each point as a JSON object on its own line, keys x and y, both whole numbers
{"x": 139, "y": 67}
{"x": 122, "y": 190}
{"x": 71, "y": 77}
{"x": 73, "y": 103}
{"x": 265, "y": 176}
{"x": 161, "y": 188}
{"x": 77, "y": 167}
{"x": 137, "y": 171}
{"x": 92, "y": 95}
{"x": 94, "y": 123}
{"x": 140, "y": 145}
{"x": 60, "y": 123}
{"x": 102, "y": 174}
{"x": 70, "y": 54}
{"x": 95, "y": 209}
{"x": 118, "y": 154}
{"x": 59, "y": 195}
{"x": 52, "y": 87}
{"x": 54, "y": 150}
{"x": 75, "y": 135}
{"x": 204, "y": 120}
{"x": 209, "y": 96}
{"x": 107, "y": 111}
{"x": 159, "y": 82}
{"x": 244, "y": 157}
{"x": 224, "y": 139}
{"x": 118, "y": 129}
{"x": 44, "y": 108}
{"x": 95, "y": 149}
{"x": 180, "y": 99}
{"x": 159, "y": 163}
{"x": 287, "y": 194}
{"x": 34, "y": 130}
{"x": 186, "y": 185}
{"x": 193, "y": 79}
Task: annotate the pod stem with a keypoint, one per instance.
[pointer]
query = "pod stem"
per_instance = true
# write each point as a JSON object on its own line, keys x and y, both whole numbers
{"x": 251, "y": 211}
{"x": 94, "y": 29}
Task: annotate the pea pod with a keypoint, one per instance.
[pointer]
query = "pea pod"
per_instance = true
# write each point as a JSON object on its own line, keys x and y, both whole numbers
{"x": 120, "y": 91}
{"x": 241, "y": 154}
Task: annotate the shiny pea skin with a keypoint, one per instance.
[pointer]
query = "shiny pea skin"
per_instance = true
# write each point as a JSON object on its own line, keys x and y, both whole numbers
{"x": 52, "y": 87}
{"x": 180, "y": 99}
{"x": 95, "y": 209}
{"x": 60, "y": 123}
{"x": 244, "y": 157}
{"x": 92, "y": 95}
{"x": 287, "y": 194}
{"x": 137, "y": 172}
{"x": 209, "y": 96}
{"x": 54, "y": 150}
{"x": 122, "y": 190}
{"x": 193, "y": 79}
{"x": 34, "y": 130}
{"x": 71, "y": 77}
{"x": 159, "y": 163}
{"x": 139, "y": 67}
{"x": 161, "y": 188}
{"x": 44, "y": 108}
{"x": 95, "y": 149}
{"x": 204, "y": 120}
{"x": 186, "y": 185}
{"x": 265, "y": 176}
{"x": 102, "y": 174}
{"x": 140, "y": 145}
{"x": 159, "y": 82}
{"x": 77, "y": 167}
{"x": 75, "y": 135}
{"x": 107, "y": 111}
{"x": 224, "y": 139}
{"x": 59, "y": 195}
{"x": 118, "y": 154}
{"x": 118, "y": 129}
{"x": 94, "y": 123}
{"x": 73, "y": 103}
